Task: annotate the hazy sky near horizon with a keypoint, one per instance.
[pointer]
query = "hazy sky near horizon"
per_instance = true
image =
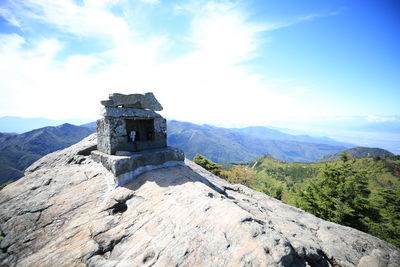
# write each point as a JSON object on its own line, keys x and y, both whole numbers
{"x": 219, "y": 62}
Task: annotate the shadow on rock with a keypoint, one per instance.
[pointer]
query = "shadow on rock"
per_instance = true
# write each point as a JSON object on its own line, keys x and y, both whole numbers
{"x": 173, "y": 176}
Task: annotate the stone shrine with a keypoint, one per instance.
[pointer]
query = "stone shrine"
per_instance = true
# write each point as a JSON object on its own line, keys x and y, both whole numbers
{"x": 132, "y": 137}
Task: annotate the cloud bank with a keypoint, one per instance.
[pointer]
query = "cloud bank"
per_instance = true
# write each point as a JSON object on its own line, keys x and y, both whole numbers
{"x": 63, "y": 57}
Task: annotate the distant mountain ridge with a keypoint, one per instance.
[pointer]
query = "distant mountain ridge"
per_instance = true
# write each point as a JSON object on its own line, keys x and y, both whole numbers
{"x": 14, "y": 124}
{"x": 18, "y": 151}
{"x": 227, "y": 145}
{"x": 269, "y": 133}
{"x": 359, "y": 152}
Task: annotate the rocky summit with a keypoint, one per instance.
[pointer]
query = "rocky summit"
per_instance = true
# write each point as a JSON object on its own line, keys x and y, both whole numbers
{"x": 67, "y": 211}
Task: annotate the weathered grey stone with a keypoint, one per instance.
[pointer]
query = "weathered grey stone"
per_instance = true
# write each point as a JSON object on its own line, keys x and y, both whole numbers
{"x": 65, "y": 213}
{"x": 111, "y": 144}
{"x": 130, "y": 127}
{"x": 160, "y": 125}
{"x": 128, "y": 112}
{"x": 142, "y": 146}
{"x": 111, "y": 127}
{"x": 120, "y": 164}
{"x": 123, "y": 153}
{"x": 108, "y": 103}
{"x": 139, "y": 101}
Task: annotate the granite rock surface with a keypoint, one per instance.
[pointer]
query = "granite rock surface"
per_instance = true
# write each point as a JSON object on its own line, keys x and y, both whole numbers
{"x": 66, "y": 211}
{"x": 128, "y": 112}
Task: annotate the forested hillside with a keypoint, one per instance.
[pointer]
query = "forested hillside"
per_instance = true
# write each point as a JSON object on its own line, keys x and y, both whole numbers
{"x": 359, "y": 152}
{"x": 363, "y": 193}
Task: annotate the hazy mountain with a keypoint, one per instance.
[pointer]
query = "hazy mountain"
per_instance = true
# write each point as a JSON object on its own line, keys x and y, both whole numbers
{"x": 13, "y": 124}
{"x": 359, "y": 152}
{"x": 89, "y": 124}
{"x": 384, "y": 126}
{"x": 18, "y": 151}
{"x": 227, "y": 145}
{"x": 242, "y": 144}
{"x": 268, "y": 133}
{"x": 365, "y": 131}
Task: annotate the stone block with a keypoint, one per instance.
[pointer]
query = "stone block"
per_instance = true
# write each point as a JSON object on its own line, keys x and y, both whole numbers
{"x": 111, "y": 127}
{"x": 109, "y": 144}
{"x": 122, "y": 153}
{"x": 160, "y": 130}
{"x": 125, "y": 168}
{"x": 160, "y": 125}
{"x": 128, "y": 112}
{"x": 140, "y": 146}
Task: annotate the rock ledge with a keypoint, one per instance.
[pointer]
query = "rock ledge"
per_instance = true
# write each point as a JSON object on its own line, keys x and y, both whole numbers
{"x": 67, "y": 212}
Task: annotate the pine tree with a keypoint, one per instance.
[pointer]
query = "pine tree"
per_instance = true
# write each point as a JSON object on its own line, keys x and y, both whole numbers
{"x": 339, "y": 194}
{"x": 207, "y": 164}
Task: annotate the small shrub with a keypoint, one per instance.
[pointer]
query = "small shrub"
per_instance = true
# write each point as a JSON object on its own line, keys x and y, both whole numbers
{"x": 207, "y": 164}
{"x": 5, "y": 184}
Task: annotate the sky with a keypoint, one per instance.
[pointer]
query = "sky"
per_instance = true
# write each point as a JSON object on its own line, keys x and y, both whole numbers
{"x": 228, "y": 63}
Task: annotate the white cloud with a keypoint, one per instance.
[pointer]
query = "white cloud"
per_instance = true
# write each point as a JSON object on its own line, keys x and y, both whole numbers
{"x": 375, "y": 118}
{"x": 92, "y": 18}
{"x": 210, "y": 83}
{"x": 9, "y": 16}
{"x": 150, "y": 1}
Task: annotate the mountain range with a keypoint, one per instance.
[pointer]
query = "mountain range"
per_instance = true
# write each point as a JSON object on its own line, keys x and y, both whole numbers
{"x": 229, "y": 145}
{"x": 269, "y": 133}
{"x": 359, "y": 152}
{"x": 14, "y": 124}
{"x": 365, "y": 131}
{"x": 18, "y": 151}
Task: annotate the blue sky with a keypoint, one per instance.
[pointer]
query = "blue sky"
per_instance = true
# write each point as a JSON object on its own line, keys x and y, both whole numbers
{"x": 218, "y": 62}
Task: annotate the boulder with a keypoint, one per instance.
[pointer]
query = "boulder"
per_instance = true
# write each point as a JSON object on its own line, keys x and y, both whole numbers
{"x": 66, "y": 211}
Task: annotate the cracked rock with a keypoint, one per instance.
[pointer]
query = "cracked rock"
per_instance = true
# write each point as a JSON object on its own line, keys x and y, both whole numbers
{"x": 66, "y": 211}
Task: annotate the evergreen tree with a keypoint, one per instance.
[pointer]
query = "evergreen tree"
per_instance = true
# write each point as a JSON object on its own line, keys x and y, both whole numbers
{"x": 343, "y": 156}
{"x": 207, "y": 164}
{"x": 340, "y": 194}
{"x": 388, "y": 227}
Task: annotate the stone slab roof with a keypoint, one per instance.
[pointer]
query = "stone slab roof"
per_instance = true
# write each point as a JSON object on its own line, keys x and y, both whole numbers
{"x": 138, "y": 101}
